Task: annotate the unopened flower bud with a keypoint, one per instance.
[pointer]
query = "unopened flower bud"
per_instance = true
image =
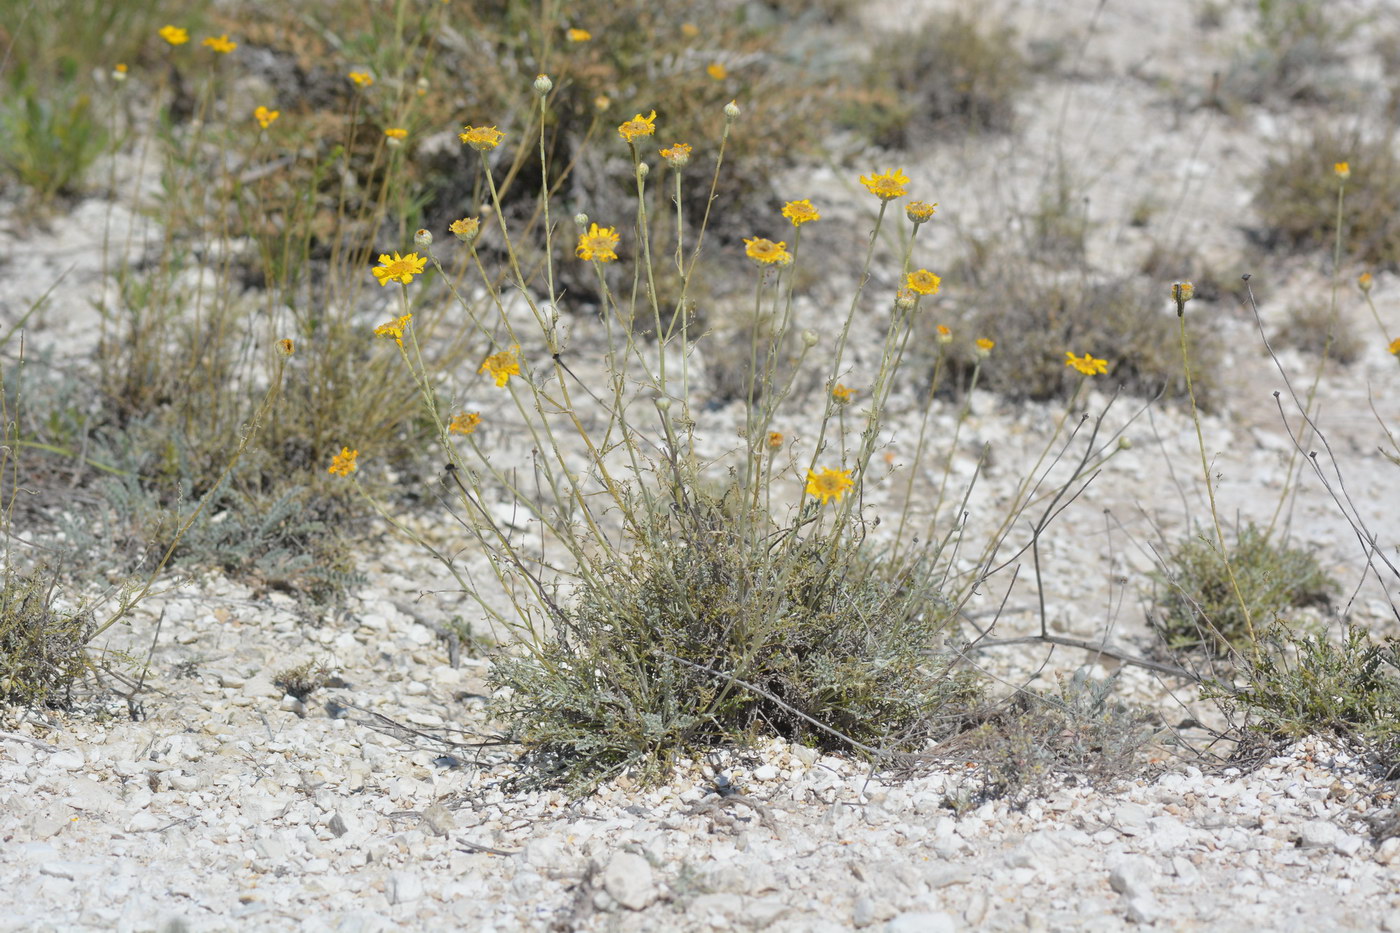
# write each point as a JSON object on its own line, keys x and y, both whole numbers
{"x": 664, "y": 404}
{"x": 1365, "y": 281}
{"x": 286, "y": 347}
{"x": 906, "y": 300}
{"x": 1124, "y": 444}
{"x": 581, "y": 220}
{"x": 643, "y": 170}
{"x": 543, "y": 85}
{"x": 810, "y": 338}
{"x": 731, "y": 112}
{"x": 422, "y": 238}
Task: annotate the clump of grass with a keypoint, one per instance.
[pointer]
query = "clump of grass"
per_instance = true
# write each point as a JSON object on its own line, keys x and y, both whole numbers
{"x": 1294, "y": 52}
{"x": 1297, "y": 197}
{"x": 1031, "y": 313}
{"x": 954, "y": 75}
{"x": 49, "y": 138}
{"x": 1198, "y": 606}
{"x": 42, "y": 645}
{"x": 304, "y": 679}
{"x": 1080, "y": 733}
{"x": 1303, "y": 684}
{"x": 705, "y": 639}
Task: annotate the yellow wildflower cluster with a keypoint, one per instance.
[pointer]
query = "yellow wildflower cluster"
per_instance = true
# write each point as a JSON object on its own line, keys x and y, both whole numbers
{"x": 638, "y": 126}
{"x": 920, "y": 211}
{"x": 395, "y": 328}
{"x": 578, "y": 35}
{"x": 174, "y": 35}
{"x": 887, "y": 185}
{"x": 343, "y": 463}
{"x": 923, "y": 281}
{"x": 678, "y": 155}
{"x": 220, "y": 44}
{"x": 465, "y": 422}
{"x": 362, "y": 78}
{"x": 481, "y": 138}
{"x": 265, "y": 117}
{"x": 842, "y": 394}
{"x": 766, "y": 252}
{"x": 800, "y": 212}
{"x": 465, "y": 229}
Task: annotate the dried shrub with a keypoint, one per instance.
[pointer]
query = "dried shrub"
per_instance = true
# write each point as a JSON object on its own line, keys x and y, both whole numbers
{"x": 42, "y": 645}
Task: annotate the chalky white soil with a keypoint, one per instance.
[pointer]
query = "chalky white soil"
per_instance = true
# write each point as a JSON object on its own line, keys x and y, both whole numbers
{"x": 229, "y": 806}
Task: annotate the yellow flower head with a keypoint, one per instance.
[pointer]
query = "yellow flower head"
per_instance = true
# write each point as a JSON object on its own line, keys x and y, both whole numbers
{"x": 481, "y": 138}
{"x": 766, "y": 252}
{"x": 174, "y": 35}
{"x": 717, "y": 71}
{"x": 578, "y": 35}
{"x": 501, "y": 366}
{"x": 678, "y": 155}
{"x": 944, "y": 334}
{"x": 842, "y": 394}
{"x": 220, "y": 44}
{"x": 400, "y": 268}
{"x": 286, "y": 347}
{"x": 984, "y": 346}
{"x": 599, "y": 244}
{"x": 888, "y": 185}
{"x": 1183, "y": 292}
{"x": 1086, "y": 364}
{"x": 919, "y": 211}
{"x": 1343, "y": 170}
{"x": 800, "y": 212}
{"x": 396, "y": 133}
{"x": 343, "y": 463}
{"x": 1394, "y": 347}
{"x": 1365, "y": 281}
{"x": 775, "y": 440}
{"x": 923, "y": 281}
{"x": 465, "y": 423}
{"x": 638, "y": 126}
{"x": 829, "y": 484}
{"x": 362, "y": 78}
{"x": 119, "y": 72}
{"x": 265, "y": 117}
{"x": 465, "y": 229}
{"x": 690, "y": 30}
{"x": 395, "y": 328}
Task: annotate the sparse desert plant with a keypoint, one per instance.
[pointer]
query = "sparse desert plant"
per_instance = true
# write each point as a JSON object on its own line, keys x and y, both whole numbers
{"x": 43, "y": 645}
{"x": 957, "y": 73}
{"x": 1294, "y": 51}
{"x": 1197, "y": 604}
{"x": 49, "y": 138}
{"x": 1313, "y": 328}
{"x": 304, "y": 679}
{"x": 1297, "y": 197}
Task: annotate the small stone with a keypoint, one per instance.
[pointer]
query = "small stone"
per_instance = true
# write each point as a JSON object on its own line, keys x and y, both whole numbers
{"x": 1390, "y": 923}
{"x": 628, "y": 880}
{"x": 1132, "y": 819}
{"x": 336, "y": 824}
{"x": 1318, "y": 834}
{"x": 862, "y": 912}
{"x": 765, "y": 773}
{"x": 1144, "y": 909}
{"x": 439, "y": 819}
{"x": 68, "y": 760}
{"x": 142, "y": 822}
{"x": 1131, "y": 876}
{"x": 764, "y": 911}
{"x": 292, "y": 705}
{"x": 808, "y": 756}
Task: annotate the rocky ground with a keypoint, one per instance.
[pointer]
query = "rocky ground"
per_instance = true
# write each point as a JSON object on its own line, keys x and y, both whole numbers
{"x": 380, "y": 803}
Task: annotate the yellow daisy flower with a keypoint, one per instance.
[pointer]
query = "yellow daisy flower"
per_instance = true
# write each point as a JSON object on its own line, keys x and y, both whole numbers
{"x": 396, "y": 133}
{"x": 465, "y": 229}
{"x": 888, "y": 185}
{"x": 717, "y": 71}
{"x": 800, "y": 212}
{"x": 829, "y": 484}
{"x": 638, "y": 126}
{"x": 775, "y": 440}
{"x": 678, "y": 155}
{"x": 400, "y": 268}
{"x": 944, "y": 334}
{"x": 1342, "y": 170}
{"x": 220, "y": 44}
{"x": 843, "y": 394}
{"x": 265, "y": 117}
{"x": 984, "y": 346}
{"x": 1086, "y": 364}
{"x": 174, "y": 35}
{"x": 599, "y": 244}
{"x": 362, "y": 78}
{"x": 481, "y": 138}
{"x": 919, "y": 211}
{"x": 923, "y": 281}
{"x": 766, "y": 252}
{"x": 1394, "y": 347}
{"x": 395, "y": 328}
{"x": 578, "y": 35}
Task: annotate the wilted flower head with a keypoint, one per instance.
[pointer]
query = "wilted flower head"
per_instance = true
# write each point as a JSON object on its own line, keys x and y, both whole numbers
{"x": 678, "y": 155}
{"x": 286, "y": 347}
{"x": 887, "y": 185}
{"x": 394, "y": 329}
{"x": 1086, "y": 364}
{"x": 829, "y": 484}
{"x": 465, "y": 422}
{"x": 766, "y": 252}
{"x": 800, "y": 212}
{"x": 923, "y": 281}
{"x": 501, "y": 366}
{"x": 598, "y": 244}
{"x": 842, "y": 394}
{"x": 265, "y": 117}
{"x": 481, "y": 138}
{"x": 174, "y": 35}
{"x": 638, "y": 126}
{"x": 343, "y": 463}
{"x": 775, "y": 440}
{"x": 220, "y": 44}
{"x": 465, "y": 229}
{"x": 399, "y": 269}
{"x": 919, "y": 211}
